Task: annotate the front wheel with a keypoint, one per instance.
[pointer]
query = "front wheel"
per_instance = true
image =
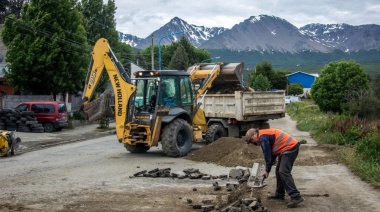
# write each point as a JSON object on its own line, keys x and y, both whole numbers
{"x": 214, "y": 132}
{"x": 177, "y": 138}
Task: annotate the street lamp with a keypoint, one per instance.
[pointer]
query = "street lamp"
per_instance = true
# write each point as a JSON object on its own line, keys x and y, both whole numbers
{"x": 210, "y": 59}
{"x": 159, "y": 49}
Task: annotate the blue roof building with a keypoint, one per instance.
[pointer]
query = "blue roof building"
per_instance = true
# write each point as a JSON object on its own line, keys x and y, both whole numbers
{"x": 305, "y": 79}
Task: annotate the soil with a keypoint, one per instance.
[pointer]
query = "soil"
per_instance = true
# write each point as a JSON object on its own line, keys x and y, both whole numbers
{"x": 233, "y": 152}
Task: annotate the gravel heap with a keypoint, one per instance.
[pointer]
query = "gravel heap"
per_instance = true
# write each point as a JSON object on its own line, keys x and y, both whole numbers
{"x": 229, "y": 152}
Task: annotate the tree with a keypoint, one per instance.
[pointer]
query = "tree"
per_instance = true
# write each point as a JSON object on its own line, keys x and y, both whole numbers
{"x": 280, "y": 79}
{"x": 261, "y": 83}
{"x": 47, "y": 48}
{"x": 168, "y": 52}
{"x": 295, "y": 89}
{"x": 8, "y": 7}
{"x": 277, "y": 79}
{"x": 336, "y": 80}
{"x": 180, "y": 59}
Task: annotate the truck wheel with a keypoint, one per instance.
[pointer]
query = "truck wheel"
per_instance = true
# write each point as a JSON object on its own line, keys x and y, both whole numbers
{"x": 177, "y": 138}
{"x": 138, "y": 148}
{"x": 214, "y": 132}
{"x": 48, "y": 127}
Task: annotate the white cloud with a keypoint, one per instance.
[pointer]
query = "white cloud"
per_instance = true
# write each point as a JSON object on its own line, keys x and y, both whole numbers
{"x": 141, "y": 18}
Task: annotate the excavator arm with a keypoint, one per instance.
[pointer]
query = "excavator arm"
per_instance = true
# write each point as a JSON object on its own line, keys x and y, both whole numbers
{"x": 104, "y": 59}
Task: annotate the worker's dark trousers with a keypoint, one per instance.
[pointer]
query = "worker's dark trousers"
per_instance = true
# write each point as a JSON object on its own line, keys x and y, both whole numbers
{"x": 284, "y": 176}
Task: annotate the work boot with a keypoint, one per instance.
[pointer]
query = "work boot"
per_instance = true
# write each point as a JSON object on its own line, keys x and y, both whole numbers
{"x": 294, "y": 202}
{"x": 276, "y": 197}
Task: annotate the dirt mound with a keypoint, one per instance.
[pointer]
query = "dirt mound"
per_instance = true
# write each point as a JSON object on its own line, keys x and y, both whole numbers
{"x": 232, "y": 152}
{"x": 229, "y": 152}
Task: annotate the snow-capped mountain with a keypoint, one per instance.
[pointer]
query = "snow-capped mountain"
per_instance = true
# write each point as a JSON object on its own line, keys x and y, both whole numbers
{"x": 196, "y": 35}
{"x": 267, "y": 34}
{"x": 345, "y": 37}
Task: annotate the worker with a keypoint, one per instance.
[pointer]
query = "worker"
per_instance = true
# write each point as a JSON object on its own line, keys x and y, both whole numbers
{"x": 277, "y": 143}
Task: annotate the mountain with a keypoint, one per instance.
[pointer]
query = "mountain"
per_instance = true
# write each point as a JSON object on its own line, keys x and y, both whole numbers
{"x": 196, "y": 35}
{"x": 268, "y": 34}
{"x": 345, "y": 37}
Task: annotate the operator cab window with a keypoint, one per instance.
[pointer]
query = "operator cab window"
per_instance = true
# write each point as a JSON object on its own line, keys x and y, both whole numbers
{"x": 168, "y": 91}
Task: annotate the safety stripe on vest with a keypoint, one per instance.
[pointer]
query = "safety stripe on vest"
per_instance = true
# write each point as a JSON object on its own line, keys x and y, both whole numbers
{"x": 277, "y": 141}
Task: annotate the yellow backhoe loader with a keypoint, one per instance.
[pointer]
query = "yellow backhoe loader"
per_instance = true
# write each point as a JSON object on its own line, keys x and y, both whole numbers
{"x": 8, "y": 143}
{"x": 156, "y": 106}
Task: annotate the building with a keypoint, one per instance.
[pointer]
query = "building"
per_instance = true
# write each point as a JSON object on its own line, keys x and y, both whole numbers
{"x": 305, "y": 79}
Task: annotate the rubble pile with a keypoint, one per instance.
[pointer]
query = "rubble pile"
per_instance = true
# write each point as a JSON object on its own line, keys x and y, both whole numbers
{"x": 187, "y": 173}
{"x": 237, "y": 198}
{"x": 229, "y": 152}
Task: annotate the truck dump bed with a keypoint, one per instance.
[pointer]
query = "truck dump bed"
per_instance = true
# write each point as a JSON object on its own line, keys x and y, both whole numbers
{"x": 245, "y": 105}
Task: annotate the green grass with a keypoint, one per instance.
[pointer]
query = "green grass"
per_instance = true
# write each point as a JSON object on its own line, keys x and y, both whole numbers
{"x": 360, "y": 152}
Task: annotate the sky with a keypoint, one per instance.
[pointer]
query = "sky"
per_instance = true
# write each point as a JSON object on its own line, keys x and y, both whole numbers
{"x": 142, "y": 17}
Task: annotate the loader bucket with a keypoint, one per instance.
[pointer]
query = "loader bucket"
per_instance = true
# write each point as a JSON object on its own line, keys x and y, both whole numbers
{"x": 230, "y": 73}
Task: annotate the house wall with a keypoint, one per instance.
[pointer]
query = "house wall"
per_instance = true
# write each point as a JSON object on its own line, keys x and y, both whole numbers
{"x": 304, "y": 79}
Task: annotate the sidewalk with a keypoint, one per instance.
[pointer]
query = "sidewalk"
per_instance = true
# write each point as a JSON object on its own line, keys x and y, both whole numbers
{"x": 78, "y": 132}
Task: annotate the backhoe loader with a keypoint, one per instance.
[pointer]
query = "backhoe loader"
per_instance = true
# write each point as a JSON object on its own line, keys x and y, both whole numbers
{"x": 8, "y": 143}
{"x": 156, "y": 106}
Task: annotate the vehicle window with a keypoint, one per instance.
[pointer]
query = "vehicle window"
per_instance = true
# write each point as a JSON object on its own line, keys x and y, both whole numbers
{"x": 185, "y": 89}
{"x": 22, "y": 108}
{"x": 145, "y": 92}
{"x": 49, "y": 109}
{"x": 62, "y": 108}
{"x": 38, "y": 108}
{"x": 168, "y": 92}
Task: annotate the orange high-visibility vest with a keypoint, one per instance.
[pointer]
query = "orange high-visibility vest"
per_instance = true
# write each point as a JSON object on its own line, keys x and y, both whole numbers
{"x": 282, "y": 140}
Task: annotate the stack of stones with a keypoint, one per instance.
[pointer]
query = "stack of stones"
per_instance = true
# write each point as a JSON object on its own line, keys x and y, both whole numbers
{"x": 13, "y": 120}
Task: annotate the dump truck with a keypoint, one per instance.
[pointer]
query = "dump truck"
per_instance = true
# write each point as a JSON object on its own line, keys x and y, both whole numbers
{"x": 229, "y": 107}
{"x": 157, "y": 106}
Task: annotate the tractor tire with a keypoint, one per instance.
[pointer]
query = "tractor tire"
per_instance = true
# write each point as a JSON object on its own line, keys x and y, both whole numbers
{"x": 214, "y": 132}
{"x": 138, "y": 148}
{"x": 177, "y": 138}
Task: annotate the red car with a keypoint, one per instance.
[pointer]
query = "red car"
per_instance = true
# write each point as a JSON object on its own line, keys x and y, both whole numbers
{"x": 52, "y": 115}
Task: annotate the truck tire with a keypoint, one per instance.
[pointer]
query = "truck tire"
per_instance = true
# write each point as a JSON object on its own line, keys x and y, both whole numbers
{"x": 214, "y": 132}
{"x": 138, "y": 148}
{"x": 177, "y": 138}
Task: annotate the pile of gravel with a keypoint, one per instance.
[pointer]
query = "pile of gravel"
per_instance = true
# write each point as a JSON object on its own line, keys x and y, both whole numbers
{"x": 229, "y": 152}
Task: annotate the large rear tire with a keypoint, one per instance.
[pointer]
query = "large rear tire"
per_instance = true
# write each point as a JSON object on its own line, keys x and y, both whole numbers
{"x": 138, "y": 148}
{"x": 177, "y": 138}
{"x": 214, "y": 132}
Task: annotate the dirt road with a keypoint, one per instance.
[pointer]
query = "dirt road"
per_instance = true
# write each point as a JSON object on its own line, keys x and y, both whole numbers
{"x": 95, "y": 175}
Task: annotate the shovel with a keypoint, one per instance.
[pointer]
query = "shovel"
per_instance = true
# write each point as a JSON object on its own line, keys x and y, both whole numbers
{"x": 256, "y": 180}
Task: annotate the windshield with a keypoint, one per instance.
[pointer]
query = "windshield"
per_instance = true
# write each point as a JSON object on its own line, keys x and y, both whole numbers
{"x": 146, "y": 92}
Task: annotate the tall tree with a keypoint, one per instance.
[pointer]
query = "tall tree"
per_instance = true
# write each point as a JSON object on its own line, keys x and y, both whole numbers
{"x": 180, "y": 59}
{"x": 100, "y": 21}
{"x": 47, "y": 48}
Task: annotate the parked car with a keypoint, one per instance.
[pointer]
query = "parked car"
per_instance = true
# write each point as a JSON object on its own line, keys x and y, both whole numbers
{"x": 52, "y": 115}
{"x": 290, "y": 99}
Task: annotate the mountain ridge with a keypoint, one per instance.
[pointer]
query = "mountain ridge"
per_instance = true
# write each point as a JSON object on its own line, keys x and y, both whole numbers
{"x": 266, "y": 33}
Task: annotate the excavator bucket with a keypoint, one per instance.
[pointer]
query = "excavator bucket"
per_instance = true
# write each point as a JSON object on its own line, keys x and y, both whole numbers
{"x": 217, "y": 76}
{"x": 98, "y": 108}
{"x": 230, "y": 73}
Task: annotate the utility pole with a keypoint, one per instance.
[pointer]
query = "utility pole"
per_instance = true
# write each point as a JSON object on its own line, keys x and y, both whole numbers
{"x": 152, "y": 53}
